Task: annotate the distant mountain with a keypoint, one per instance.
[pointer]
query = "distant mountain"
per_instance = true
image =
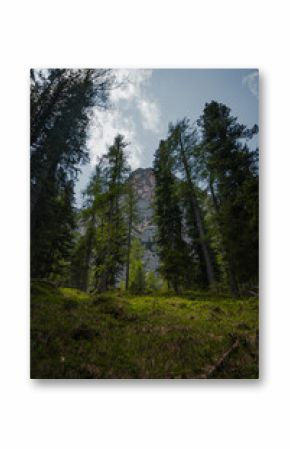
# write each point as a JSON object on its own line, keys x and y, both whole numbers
{"x": 143, "y": 180}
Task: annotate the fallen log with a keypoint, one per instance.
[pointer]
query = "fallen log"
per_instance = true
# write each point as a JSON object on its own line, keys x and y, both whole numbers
{"x": 215, "y": 368}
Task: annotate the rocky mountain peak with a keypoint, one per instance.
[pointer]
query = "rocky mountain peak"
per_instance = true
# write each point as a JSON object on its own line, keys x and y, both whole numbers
{"x": 143, "y": 180}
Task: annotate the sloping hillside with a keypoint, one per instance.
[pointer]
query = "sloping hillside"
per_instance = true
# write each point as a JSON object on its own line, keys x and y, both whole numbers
{"x": 74, "y": 335}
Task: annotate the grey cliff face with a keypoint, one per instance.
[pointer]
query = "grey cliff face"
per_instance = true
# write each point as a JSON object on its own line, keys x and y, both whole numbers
{"x": 143, "y": 180}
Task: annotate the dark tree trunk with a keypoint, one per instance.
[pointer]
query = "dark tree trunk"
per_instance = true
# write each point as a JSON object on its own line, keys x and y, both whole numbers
{"x": 198, "y": 219}
{"x": 129, "y": 250}
{"x": 229, "y": 266}
{"x": 89, "y": 254}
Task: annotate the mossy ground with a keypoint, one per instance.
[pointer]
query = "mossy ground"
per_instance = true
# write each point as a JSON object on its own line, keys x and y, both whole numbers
{"x": 74, "y": 335}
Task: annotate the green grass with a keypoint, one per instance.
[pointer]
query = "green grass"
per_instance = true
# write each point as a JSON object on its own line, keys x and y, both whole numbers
{"x": 113, "y": 335}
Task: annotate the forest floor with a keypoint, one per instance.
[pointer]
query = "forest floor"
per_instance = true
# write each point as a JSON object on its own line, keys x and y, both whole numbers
{"x": 118, "y": 336}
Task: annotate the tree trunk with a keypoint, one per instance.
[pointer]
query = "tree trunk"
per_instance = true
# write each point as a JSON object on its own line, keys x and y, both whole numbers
{"x": 129, "y": 249}
{"x": 198, "y": 218}
{"x": 89, "y": 254}
{"x": 229, "y": 266}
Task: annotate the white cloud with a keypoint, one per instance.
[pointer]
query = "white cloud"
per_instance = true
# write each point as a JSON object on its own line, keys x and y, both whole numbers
{"x": 150, "y": 114}
{"x": 252, "y": 82}
{"x": 106, "y": 124}
{"x": 130, "y": 83}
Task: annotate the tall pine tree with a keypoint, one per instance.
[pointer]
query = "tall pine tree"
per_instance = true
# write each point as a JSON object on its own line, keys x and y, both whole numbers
{"x": 61, "y": 103}
{"x": 131, "y": 216}
{"x": 173, "y": 250}
{"x": 182, "y": 139}
{"x": 89, "y": 225}
{"x": 112, "y": 238}
{"x": 230, "y": 169}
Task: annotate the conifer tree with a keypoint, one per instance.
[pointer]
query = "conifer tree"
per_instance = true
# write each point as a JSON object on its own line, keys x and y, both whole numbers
{"x": 89, "y": 223}
{"x": 230, "y": 169}
{"x": 61, "y": 103}
{"x": 131, "y": 216}
{"x": 112, "y": 238}
{"x": 182, "y": 139}
{"x": 137, "y": 280}
{"x": 173, "y": 250}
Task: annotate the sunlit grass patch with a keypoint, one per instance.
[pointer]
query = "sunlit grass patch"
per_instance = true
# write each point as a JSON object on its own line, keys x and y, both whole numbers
{"x": 73, "y": 293}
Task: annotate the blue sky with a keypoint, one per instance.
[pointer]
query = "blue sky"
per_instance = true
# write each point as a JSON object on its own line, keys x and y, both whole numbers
{"x": 147, "y": 100}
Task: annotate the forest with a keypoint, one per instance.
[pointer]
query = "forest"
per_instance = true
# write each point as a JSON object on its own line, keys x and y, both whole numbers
{"x": 98, "y": 308}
